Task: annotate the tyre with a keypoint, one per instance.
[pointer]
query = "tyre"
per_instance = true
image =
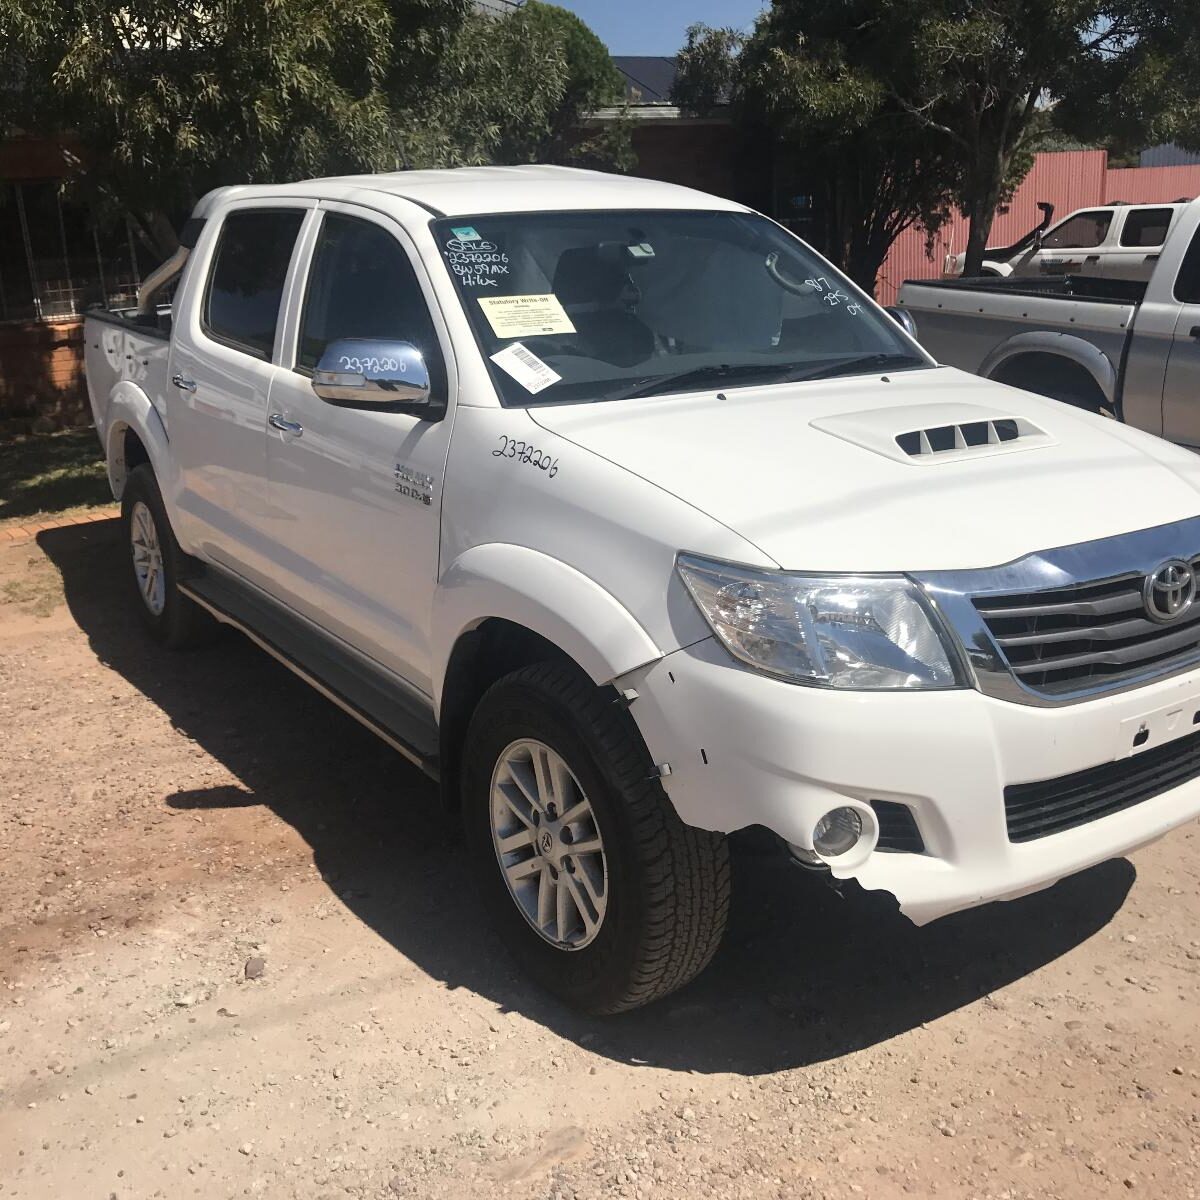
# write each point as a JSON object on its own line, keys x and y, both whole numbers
{"x": 603, "y": 895}
{"x": 156, "y": 565}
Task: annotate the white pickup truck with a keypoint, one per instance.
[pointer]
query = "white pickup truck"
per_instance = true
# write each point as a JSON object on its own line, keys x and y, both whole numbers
{"x": 615, "y": 507}
{"x": 1113, "y": 241}
{"x": 1121, "y": 347}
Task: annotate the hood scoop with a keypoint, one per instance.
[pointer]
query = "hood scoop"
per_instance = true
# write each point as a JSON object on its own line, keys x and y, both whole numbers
{"x": 936, "y": 433}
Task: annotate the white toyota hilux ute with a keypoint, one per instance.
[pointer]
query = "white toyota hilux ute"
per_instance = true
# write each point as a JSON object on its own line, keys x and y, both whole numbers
{"x": 615, "y": 507}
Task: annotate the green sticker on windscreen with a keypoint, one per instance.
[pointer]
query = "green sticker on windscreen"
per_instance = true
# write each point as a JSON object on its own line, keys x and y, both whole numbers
{"x": 465, "y": 233}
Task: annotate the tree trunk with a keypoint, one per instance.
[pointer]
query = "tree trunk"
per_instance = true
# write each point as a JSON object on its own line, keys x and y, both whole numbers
{"x": 981, "y": 211}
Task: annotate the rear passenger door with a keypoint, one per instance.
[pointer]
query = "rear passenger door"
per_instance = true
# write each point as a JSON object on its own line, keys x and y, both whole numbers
{"x": 1138, "y": 243}
{"x": 222, "y": 368}
{"x": 355, "y": 494}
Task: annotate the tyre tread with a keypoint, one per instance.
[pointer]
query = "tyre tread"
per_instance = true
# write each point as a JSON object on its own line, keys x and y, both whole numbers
{"x": 687, "y": 870}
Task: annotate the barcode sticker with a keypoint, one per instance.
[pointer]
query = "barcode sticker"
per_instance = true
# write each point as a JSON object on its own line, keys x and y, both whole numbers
{"x": 525, "y": 367}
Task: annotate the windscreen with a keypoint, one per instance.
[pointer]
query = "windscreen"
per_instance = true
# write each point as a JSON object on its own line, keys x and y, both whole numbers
{"x": 594, "y": 306}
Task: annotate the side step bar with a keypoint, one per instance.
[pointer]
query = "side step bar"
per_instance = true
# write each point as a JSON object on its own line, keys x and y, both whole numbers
{"x": 386, "y": 707}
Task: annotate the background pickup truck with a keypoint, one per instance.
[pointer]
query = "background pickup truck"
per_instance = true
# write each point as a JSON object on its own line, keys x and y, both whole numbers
{"x": 1114, "y": 241}
{"x": 1116, "y": 346}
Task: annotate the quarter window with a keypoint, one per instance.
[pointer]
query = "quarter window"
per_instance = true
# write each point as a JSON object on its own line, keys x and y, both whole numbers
{"x": 1187, "y": 282}
{"x": 362, "y": 285}
{"x": 241, "y": 307}
{"x": 1079, "y": 231}
{"x": 1146, "y": 227}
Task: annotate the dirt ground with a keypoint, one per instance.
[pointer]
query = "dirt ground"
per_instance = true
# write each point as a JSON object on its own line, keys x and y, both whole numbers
{"x": 172, "y": 824}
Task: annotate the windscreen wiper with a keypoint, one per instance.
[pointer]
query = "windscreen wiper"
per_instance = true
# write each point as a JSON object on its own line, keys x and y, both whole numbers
{"x": 861, "y": 365}
{"x": 723, "y": 371}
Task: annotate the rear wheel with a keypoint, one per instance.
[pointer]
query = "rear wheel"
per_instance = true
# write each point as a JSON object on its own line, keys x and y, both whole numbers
{"x": 605, "y": 897}
{"x": 157, "y": 564}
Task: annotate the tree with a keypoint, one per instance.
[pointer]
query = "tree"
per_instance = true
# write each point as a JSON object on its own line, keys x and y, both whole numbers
{"x": 590, "y": 82}
{"x": 818, "y": 76}
{"x": 985, "y": 69}
{"x": 163, "y": 101}
{"x": 516, "y": 90}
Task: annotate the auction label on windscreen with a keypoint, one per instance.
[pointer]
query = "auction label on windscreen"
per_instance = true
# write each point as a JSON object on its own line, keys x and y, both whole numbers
{"x": 525, "y": 316}
{"x": 526, "y": 368}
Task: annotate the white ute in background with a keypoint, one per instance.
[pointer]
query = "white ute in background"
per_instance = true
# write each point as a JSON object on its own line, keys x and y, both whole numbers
{"x": 1108, "y": 241}
{"x": 615, "y": 507}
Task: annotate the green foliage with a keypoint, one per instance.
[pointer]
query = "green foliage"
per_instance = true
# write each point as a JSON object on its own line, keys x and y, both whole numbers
{"x": 986, "y": 70}
{"x": 819, "y": 78}
{"x": 961, "y": 86}
{"x": 515, "y": 90}
{"x": 165, "y": 101}
{"x": 707, "y": 73}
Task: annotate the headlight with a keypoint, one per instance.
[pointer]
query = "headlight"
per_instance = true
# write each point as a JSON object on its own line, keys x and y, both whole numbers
{"x": 844, "y": 631}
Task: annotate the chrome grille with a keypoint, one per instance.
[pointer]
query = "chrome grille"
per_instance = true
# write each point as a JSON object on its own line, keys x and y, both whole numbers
{"x": 1087, "y": 634}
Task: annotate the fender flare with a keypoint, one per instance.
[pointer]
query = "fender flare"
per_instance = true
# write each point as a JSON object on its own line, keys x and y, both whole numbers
{"x": 544, "y": 594}
{"x": 1066, "y": 346}
{"x": 130, "y": 408}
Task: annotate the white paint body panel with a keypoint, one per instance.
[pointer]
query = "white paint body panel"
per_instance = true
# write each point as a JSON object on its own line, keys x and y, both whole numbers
{"x": 800, "y": 476}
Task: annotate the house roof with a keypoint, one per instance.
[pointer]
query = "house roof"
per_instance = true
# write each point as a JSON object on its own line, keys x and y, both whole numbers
{"x": 648, "y": 77}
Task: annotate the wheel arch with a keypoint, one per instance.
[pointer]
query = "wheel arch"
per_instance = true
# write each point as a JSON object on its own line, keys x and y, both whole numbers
{"x": 1073, "y": 363}
{"x": 502, "y": 607}
{"x": 135, "y": 435}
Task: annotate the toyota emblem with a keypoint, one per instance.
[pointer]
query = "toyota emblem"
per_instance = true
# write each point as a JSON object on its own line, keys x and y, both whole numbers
{"x": 1169, "y": 591}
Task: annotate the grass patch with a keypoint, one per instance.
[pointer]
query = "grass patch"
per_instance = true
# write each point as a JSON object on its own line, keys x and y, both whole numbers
{"x": 46, "y": 475}
{"x": 38, "y": 592}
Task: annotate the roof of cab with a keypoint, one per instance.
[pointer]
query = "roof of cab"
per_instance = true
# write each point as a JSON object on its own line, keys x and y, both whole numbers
{"x": 463, "y": 191}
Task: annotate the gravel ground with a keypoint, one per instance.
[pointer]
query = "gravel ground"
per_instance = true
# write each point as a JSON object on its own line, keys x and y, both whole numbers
{"x": 240, "y": 955}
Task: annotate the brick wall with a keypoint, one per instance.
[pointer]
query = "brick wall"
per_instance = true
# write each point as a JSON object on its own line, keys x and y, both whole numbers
{"x": 41, "y": 375}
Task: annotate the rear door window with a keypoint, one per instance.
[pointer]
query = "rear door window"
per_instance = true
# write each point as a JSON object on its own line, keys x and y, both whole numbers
{"x": 1082, "y": 230}
{"x": 245, "y": 284}
{"x": 1146, "y": 227}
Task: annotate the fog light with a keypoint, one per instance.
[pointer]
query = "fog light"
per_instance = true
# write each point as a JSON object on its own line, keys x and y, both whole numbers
{"x": 837, "y": 832}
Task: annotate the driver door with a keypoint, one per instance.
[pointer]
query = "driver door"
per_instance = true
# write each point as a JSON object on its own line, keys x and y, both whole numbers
{"x": 355, "y": 495}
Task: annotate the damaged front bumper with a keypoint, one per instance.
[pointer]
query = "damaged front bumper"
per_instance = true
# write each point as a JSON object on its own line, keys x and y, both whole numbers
{"x": 746, "y": 749}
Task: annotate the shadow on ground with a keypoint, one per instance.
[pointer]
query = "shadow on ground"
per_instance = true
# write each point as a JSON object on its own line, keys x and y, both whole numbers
{"x": 804, "y": 975}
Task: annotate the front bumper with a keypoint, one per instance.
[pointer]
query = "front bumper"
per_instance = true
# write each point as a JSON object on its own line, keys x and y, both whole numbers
{"x": 746, "y": 749}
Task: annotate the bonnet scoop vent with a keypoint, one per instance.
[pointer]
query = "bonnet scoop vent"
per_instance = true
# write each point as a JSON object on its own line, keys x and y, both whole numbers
{"x": 943, "y": 439}
{"x": 930, "y": 433}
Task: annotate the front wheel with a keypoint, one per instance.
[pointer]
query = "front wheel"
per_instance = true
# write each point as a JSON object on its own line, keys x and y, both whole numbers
{"x": 604, "y": 896}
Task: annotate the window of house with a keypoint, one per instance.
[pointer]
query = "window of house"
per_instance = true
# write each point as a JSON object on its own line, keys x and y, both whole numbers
{"x": 245, "y": 285}
{"x": 58, "y": 256}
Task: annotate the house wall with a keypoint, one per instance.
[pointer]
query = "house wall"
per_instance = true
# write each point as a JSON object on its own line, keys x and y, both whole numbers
{"x": 41, "y": 375}
{"x": 711, "y": 156}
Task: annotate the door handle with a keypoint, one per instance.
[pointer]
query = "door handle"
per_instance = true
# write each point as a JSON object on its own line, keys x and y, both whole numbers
{"x": 284, "y": 425}
{"x": 186, "y": 385}
{"x": 1194, "y": 332}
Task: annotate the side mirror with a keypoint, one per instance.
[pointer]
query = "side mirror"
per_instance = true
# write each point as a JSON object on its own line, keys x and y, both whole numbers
{"x": 903, "y": 318}
{"x": 373, "y": 373}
